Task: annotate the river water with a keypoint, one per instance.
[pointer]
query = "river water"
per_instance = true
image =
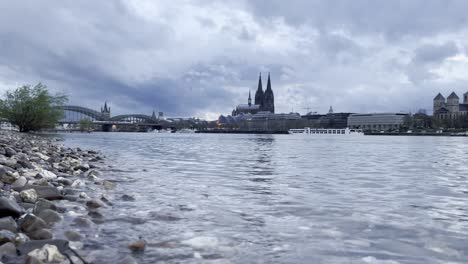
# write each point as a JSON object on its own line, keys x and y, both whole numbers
{"x": 218, "y": 198}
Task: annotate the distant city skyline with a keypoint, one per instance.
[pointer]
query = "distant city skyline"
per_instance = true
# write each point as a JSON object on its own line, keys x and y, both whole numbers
{"x": 198, "y": 58}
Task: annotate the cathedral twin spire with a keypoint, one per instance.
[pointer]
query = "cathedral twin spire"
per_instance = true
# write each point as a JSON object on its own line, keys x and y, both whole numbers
{"x": 265, "y": 99}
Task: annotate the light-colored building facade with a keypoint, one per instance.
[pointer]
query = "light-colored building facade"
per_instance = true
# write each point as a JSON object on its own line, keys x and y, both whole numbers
{"x": 377, "y": 121}
{"x": 450, "y": 108}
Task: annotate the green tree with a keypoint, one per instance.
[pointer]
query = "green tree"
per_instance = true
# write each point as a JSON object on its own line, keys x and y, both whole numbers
{"x": 85, "y": 124}
{"x": 32, "y": 108}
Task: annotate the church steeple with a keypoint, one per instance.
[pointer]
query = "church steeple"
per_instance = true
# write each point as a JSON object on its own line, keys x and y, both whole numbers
{"x": 269, "y": 98}
{"x": 250, "y": 99}
{"x": 259, "y": 93}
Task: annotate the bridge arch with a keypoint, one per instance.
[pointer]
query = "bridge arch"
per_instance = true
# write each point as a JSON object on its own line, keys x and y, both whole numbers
{"x": 85, "y": 111}
{"x": 135, "y": 117}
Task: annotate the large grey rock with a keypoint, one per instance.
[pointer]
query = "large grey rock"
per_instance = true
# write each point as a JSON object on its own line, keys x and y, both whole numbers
{"x": 9, "y": 177}
{"x": 50, "y": 216}
{"x": 3, "y": 171}
{"x": 7, "y": 249}
{"x": 29, "y": 246}
{"x": 46, "y": 192}
{"x": 28, "y": 196}
{"x": 25, "y": 164}
{"x": 30, "y": 223}
{"x": 8, "y": 223}
{"x": 19, "y": 183}
{"x": 41, "y": 234}
{"x": 64, "y": 181}
{"x": 10, "y": 162}
{"x": 9, "y": 207}
{"x": 48, "y": 254}
{"x": 6, "y": 236}
{"x": 9, "y": 152}
{"x": 43, "y": 204}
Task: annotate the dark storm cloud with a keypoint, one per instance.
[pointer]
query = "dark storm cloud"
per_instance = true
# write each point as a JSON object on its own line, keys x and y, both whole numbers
{"x": 196, "y": 57}
{"x": 393, "y": 19}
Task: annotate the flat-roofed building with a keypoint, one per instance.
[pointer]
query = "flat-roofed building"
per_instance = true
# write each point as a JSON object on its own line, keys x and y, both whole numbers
{"x": 377, "y": 121}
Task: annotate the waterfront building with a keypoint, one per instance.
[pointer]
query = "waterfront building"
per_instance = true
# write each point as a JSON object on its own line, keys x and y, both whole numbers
{"x": 450, "y": 108}
{"x": 264, "y": 100}
{"x": 329, "y": 120}
{"x": 377, "y": 121}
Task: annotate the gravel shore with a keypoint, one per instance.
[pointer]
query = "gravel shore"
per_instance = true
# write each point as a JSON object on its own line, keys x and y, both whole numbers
{"x": 44, "y": 207}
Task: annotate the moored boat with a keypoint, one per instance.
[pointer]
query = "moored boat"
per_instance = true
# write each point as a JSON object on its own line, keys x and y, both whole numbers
{"x": 326, "y": 131}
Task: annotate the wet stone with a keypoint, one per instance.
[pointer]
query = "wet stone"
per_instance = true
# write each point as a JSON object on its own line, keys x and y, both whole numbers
{"x": 137, "y": 246}
{"x": 7, "y": 249}
{"x": 82, "y": 221}
{"x": 94, "y": 204}
{"x": 9, "y": 207}
{"x": 128, "y": 260}
{"x": 9, "y": 152}
{"x": 43, "y": 204}
{"x": 50, "y": 216}
{"x": 73, "y": 236}
{"x": 8, "y": 223}
{"x": 41, "y": 234}
{"x": 29, "y": 246}
{"x": 128, "y": 198}
{"x": 19, "y": 183}
{"x": 46, "y": 192}
{"x": 70, "y": 197}
{"x": 28, "y": 196}
{"x": 108, "y": 185}
{"x": 6, "y": 236}
{"x": 21, "y": 239}
{"x": 48, "y": 253}
{"x": 30, "y": 223}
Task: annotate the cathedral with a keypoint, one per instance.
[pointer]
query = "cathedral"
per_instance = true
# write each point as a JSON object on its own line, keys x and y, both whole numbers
{"x": 264, "y": 100}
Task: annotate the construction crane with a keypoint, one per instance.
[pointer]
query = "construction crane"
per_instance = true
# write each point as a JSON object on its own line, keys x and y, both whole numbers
{"x": 308, "y": 111}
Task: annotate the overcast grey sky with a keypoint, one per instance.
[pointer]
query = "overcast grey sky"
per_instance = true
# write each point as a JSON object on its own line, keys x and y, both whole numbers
{"x": 201, "y": 57}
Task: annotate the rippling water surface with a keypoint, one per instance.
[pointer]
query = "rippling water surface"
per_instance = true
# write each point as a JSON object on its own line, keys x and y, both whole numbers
{"x": 203, "y": 198}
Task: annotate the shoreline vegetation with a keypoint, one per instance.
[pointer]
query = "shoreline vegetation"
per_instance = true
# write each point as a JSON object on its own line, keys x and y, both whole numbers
{"x": 44, "y": 211}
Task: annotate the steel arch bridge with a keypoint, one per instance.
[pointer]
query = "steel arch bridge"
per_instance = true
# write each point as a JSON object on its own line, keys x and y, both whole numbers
{"x": 134, "y": 118}
{"x": 85, "y": 111}
{"x": 128, "y": 122}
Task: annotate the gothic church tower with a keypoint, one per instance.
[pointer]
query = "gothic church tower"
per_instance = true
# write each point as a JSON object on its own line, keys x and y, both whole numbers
{"x": 259, "y": 93}
{"x": 268, "y": 98}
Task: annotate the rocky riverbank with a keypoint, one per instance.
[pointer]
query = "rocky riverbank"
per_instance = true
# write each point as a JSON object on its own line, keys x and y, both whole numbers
{"x": 44, "y": 207}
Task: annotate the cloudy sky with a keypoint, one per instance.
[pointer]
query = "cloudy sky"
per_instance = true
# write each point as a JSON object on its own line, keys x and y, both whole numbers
{"x": 201, "y": 57}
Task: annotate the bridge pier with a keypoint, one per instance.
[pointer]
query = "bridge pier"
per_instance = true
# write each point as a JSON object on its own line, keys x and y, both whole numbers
{"x": 107, "y": 127}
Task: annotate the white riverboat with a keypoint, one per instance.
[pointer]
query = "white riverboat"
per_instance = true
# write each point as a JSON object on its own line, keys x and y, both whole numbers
{"x": 326, "y": 131}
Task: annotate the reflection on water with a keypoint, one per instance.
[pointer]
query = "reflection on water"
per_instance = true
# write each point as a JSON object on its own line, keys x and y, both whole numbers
{"x": 284, "y": 198}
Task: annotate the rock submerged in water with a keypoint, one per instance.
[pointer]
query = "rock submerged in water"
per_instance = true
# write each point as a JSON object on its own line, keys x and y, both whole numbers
{"x": 73, "y": 236}
{"x": 50, "y": 216}
{"x": 41, "y": 234}
{"x": 128, "y": 198}
{"x": 94, "y": 204}
{"x": 137, "y": 245}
